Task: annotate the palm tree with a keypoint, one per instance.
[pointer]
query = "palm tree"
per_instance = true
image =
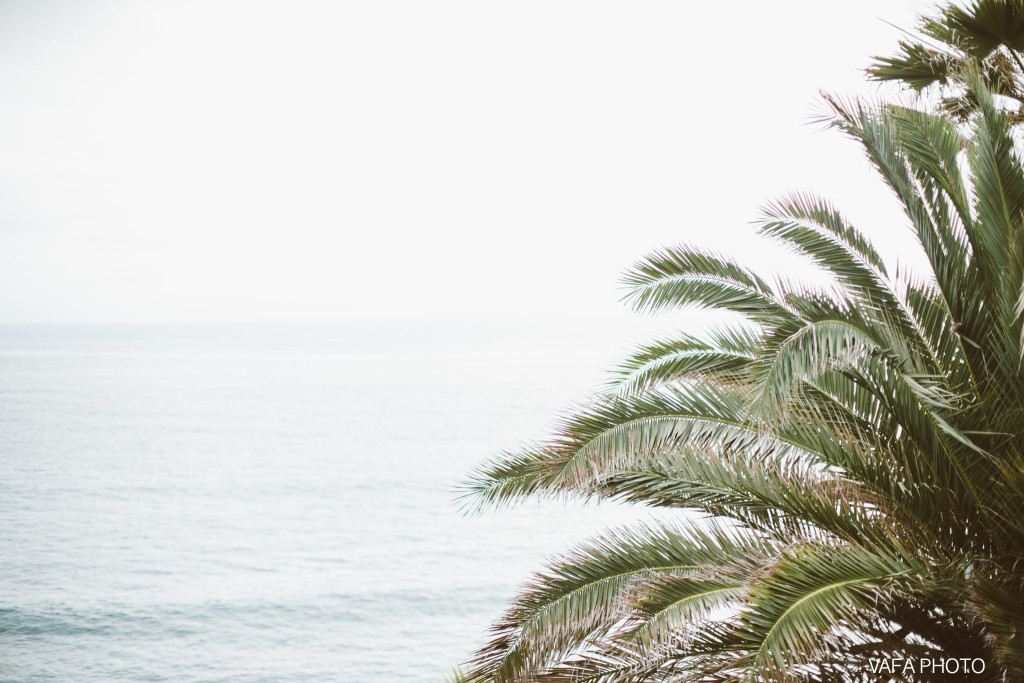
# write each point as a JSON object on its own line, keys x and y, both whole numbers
{"x": 856, "y": 451}
{"x": 985, "y": 36}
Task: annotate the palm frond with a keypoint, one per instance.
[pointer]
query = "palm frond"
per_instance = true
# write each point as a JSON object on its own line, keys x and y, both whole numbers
{"x": 682, "y": 276}
{"x": 724, "y": 354}
{"x": 602, "y": 436}
{"x": 813, "y": 601}
{"x": 587, "y": 591}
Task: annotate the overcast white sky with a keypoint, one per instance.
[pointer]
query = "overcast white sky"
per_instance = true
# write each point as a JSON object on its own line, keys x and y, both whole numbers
{"x": 406, "y": 159}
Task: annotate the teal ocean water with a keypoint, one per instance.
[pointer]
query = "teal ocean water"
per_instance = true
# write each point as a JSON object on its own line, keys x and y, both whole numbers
{"x": 256, "y": 503}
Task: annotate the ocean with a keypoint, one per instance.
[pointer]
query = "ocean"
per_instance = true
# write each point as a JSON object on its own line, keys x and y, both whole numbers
{"x": 256, "y": 503}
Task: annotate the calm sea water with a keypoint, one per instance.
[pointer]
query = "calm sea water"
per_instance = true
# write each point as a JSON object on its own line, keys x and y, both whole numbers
{"x": 270, "y": 502}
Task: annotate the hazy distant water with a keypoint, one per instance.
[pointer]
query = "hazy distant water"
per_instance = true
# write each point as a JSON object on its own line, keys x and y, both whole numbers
{"x": 269, "y": 503}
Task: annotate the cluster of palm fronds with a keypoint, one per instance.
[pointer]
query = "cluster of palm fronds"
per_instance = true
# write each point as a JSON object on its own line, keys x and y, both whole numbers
{"x": 856, "y": 450}
{"x": 987, "y": 37}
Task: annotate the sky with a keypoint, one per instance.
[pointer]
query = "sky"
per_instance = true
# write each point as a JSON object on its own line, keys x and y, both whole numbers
{"x": 405, "y": 159}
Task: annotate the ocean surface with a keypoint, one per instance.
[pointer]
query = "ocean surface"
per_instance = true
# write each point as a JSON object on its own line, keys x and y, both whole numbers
{"x": 256, "y": 503}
